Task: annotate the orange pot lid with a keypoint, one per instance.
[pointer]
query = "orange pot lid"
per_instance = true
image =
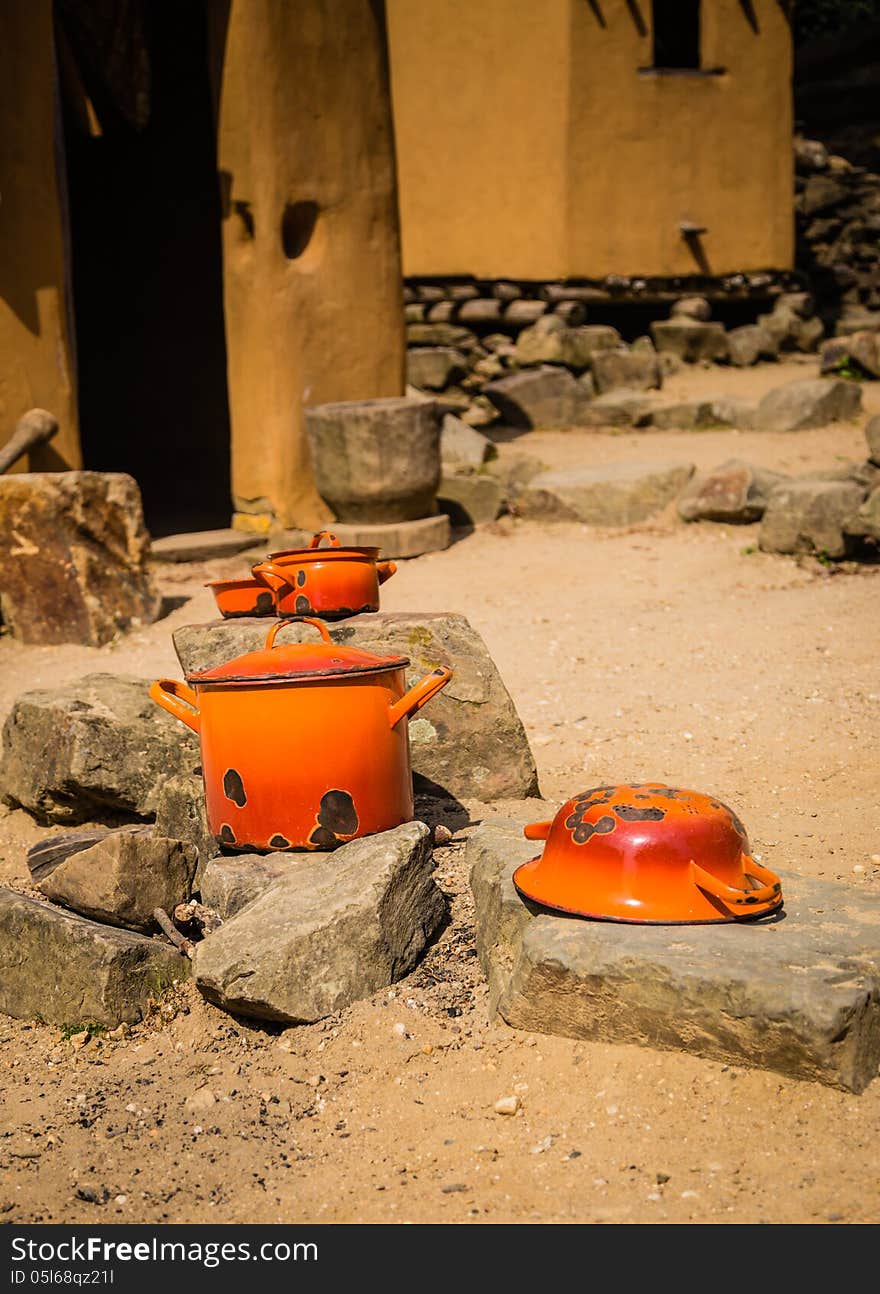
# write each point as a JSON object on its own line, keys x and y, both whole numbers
{"x": 331, "y": 551}
{"x": 650, "y": 853}
{"x": 296, "y": 662}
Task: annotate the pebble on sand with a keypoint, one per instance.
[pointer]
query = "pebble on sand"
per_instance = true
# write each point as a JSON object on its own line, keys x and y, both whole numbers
{"x": 507, "y": 1105}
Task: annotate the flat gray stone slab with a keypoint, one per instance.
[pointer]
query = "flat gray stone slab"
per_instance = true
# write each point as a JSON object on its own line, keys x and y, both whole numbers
{"x": 202, "y": 545}
{"x": 394, "y": 539}
{"x": 608, "y": 494}
{"x": 799, "y": 995}
{"x": 468, "y": 740}
{"x": 60, "y": 968}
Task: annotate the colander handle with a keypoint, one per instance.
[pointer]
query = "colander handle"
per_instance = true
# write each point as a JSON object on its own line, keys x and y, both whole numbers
{"x": 332, "y": 541}
{"x": 770, "y": 886}
{"x": 292, "y": 620}
{"x": 537, "y": 830}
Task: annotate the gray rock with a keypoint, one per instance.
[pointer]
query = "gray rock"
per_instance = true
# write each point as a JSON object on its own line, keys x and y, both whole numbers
{"x": 376, "y": 460}
{"x": 692, "y": 308}
{"x": 748, "y": 344}
{"x": 90, "y": 749}
{"x": 821, "y": 193}
{"x": 470, "y": 499}
{"x": 462, "y": 446}
{"x": 613, "y": 494}
{"x": 690, "y": 339}
{"x": 860, "y": 350}
{"x": 394, "y": 539}
{"x": 689, "y": 415}
{"x": 736, "y": 492}
{"x": 230, "y": 883}
{"x": 810, "y": 516}
{"x": 808, "y": 402}
{"x": 434, "y": 367}
{"x": 856, "y": 318}
{"x": 800, "y": 303}
{"x": 789, "y": 330}
{"x": 798, "y": 997}
{"x": 872, "y": 435}
{"x": 123, "y": 878}
{"x": 514, "y": 471}
{"x": 865, "y": 523}
{"x": 643, "y": 345}
{"x": 73, "y": 557}
{"x": 619, "y": 407}
{"x": 442, "y": 334}
{"x": 327, "y": 935}
{"x": 810, "y": 155}
{"x": 550, "y": 342}
{"x": 481, "y": 412}
{"x": 633, "y": 370}
{"x": 539, "y": 397}
{"x": 202, "y": 545}
{"x": 469, "y": 740}
{"x": 60, "y": 968}
{"x": 734, "y": 411}
{"x": 179, "y": 807}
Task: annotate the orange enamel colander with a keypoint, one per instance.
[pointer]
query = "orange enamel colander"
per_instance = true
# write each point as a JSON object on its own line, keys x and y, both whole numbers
{"x": 646, "y": 852}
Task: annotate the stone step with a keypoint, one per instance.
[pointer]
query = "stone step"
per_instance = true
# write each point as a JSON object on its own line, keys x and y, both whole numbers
{"x": 201, "y": 545}
{"x": 394, "y": 539}
{"x": 799, "y": 996}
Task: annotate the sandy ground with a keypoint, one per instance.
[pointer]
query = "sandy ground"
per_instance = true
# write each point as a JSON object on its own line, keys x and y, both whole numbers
{"x": 656, "y": 652}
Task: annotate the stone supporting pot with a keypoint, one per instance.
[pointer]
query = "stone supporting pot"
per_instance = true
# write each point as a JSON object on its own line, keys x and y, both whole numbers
{"x": 376, "y": 460}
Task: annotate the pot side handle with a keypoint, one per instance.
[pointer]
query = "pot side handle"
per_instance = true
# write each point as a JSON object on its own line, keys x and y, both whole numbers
{"x": 537, "y": 830}
{"x": 417, "y": 696}
{"x": 770, "y": 887}
{"x": 384, "y": 570}
{"x": 178, "y": 699}
{"x": 270, "y": 575}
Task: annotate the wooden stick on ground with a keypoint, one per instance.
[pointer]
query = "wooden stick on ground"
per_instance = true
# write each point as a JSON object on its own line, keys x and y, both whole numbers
{"x": 182, "y": 944}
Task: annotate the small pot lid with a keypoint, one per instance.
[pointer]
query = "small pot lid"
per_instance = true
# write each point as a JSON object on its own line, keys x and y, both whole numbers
{"x": 296, "y": 662}
{"x": 333, "y": 551}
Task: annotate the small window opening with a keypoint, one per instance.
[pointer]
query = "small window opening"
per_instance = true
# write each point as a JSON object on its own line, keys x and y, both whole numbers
{"x": 676, "y": 26}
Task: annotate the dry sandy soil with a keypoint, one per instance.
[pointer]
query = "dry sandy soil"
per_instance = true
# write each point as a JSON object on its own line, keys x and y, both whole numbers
{"x": 655, "y": 652}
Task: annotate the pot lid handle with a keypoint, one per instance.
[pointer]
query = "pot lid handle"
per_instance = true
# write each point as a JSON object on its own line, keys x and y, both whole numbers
{"x": 292, "y": 620}
{"x": 315, "y": 541}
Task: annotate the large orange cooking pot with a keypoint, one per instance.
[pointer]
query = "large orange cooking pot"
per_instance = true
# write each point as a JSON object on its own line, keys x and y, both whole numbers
{"x": 330, "y": 582}
{"x": 647, "y": 852}
{"x": 304, "y": 746}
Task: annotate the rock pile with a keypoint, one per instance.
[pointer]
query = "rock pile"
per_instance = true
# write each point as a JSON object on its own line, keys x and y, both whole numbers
{"x": 837, "y": 209}
{"x": 832, "y": 515}
{"x": 114, "y": 915}
{"x": 550, "y": 372}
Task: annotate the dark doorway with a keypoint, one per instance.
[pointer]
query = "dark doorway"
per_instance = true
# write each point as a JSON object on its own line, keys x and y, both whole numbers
{"x": 676, "y": 33}
{"x": 144, "y": 214}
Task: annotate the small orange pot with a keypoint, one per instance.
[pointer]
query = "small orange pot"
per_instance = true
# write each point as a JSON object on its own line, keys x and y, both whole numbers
{"x": 646, "y": 852}
{"x": 242, "y": 598}
{"x": 304, "y": 746}
{"x": 330, "y": 582}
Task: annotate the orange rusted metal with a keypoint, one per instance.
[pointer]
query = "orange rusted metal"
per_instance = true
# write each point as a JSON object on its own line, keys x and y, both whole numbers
{"x": 646, "y": 852}
{"x": 248, "y": 597}
{"x": 305, "y": 745}
{"x": 330, "y": 582}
